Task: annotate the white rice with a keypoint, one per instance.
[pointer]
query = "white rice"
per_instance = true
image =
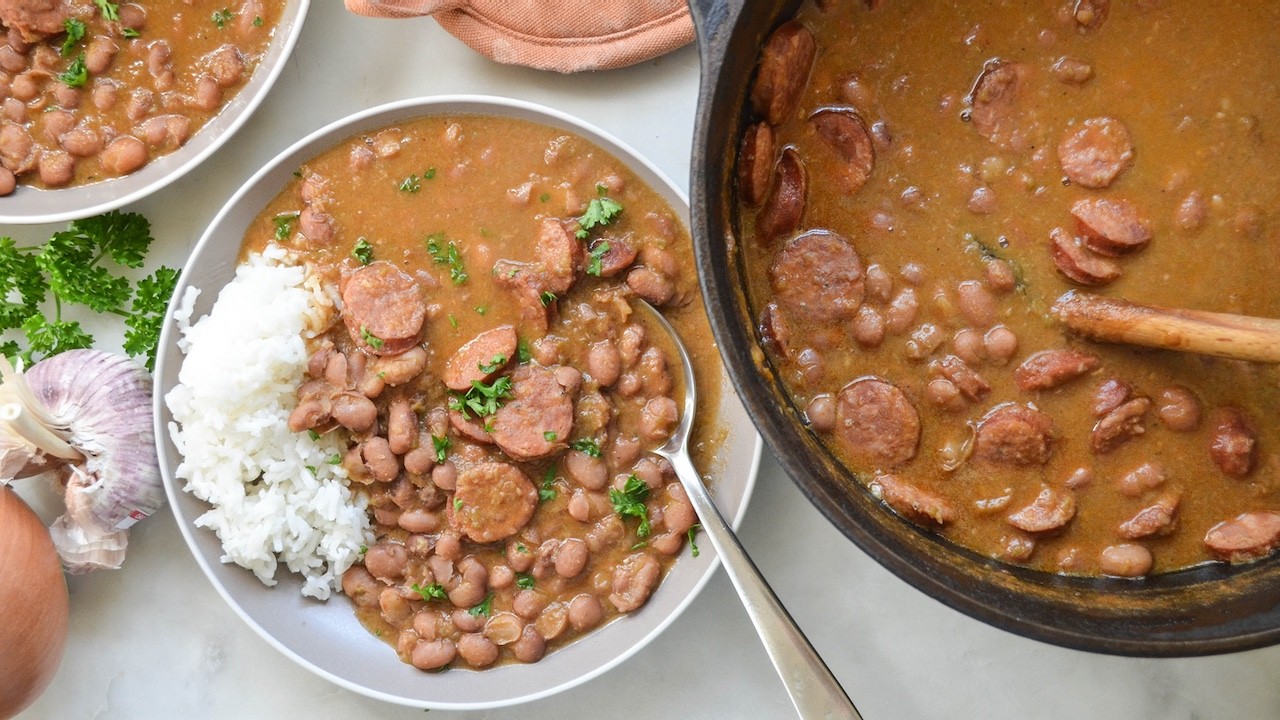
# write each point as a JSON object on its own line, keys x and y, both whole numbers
{"x": 275, "y": 495}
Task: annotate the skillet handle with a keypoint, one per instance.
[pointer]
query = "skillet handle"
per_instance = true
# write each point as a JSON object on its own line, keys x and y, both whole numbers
{"x": 713, "y": 20}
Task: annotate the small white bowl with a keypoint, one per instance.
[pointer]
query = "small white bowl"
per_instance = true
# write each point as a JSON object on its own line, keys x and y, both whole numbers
{"x": 29, "y": 206}
{"x": 326, "y": 638}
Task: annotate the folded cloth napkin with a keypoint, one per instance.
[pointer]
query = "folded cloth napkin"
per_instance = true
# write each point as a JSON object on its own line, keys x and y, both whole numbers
{"x": 561, "y": 35}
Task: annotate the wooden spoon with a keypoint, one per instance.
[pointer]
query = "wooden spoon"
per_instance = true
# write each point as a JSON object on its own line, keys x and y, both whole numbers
{"x": 1240, "y": 337}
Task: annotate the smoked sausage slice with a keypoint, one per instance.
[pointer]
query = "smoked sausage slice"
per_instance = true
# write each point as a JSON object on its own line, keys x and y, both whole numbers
{"x": 876, "y": 424}
{"x": 911, "y": 502}
{"x": 1077, "y": 263}
{"x": 538, "y": 418}
{"x": 1094, "y": 153}
{"x": 1014, "y": 435}
{"x": 1246, "y": 537}
{"x": 784, "y": 70}
{"x": 383, "y": 308}
{"x": 818, "y": 277}
{"x": 784, "y": 207}
{"x": 755, "y": 163}
{"x": 492, "y": 501}
{"x": 1233, "y": 442}
{"x": 481, "y": 358}
{"x": 1048, "y": 369}
{"x": 1111, "y": 227}
{"x": 844, "y": 132}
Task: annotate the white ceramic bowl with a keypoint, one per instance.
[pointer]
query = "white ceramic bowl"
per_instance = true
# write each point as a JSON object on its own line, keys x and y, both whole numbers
{"x": 326, "y": 637}
{"x": 29, "y": 205}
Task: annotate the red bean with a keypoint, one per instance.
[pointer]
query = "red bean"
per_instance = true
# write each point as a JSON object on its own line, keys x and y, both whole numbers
{"x": 1125, "y": 560}
{"x": 359, "y": 585}
{"x": 395, "y": 609}
{"x": 477, "y": 650}
{"x": 633, "y": 581}
{"x": 868, "y": 327}
{"x": 57, "y": 168}
{"x": 82, "y": 141}
{"x": 571, "y": 558}
{"x": 1178, "y": 409}
{"x": 968, "y": 346}
{"x": 530, "y": 647}
{"x": 589, "y": 472}
{"x": 208, "y": 94}
{"x": 585, "y": 612}
{"x": 402, "y": 426}
{"x": 821, "y": 413}
{"x": 658, "y": 418}
{"x": 879, "y": 284}
{"x": 1000, "y": 343}
{"x": 604, "y": 362}
{"x": 387, "y": 561}
{"x": 99, "y": 54}
{"x": 8, "y": 182}
{"x": 354, "y": 412}
{"x": 901, "y": 313}
{"x": 433, "y": 654}
{"x": 123, "y": 155}
{"x": 1000, "y": 276}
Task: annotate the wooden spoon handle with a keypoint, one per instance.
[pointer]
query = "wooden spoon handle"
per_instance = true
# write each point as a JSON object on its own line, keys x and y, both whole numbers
{"x": 1119, "y": 321}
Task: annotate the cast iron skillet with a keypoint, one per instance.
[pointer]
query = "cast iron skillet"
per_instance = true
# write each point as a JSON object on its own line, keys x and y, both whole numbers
{"x": 1210, "y": 609}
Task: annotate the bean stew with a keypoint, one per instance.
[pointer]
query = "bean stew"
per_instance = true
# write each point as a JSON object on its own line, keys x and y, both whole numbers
{"x": 496, "y": 388}
{"x": 95, "y": 90}
{"x": 917, "y": 185}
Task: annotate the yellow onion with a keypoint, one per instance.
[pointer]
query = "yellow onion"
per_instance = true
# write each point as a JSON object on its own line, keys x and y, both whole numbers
{"x": 33, "y": 605}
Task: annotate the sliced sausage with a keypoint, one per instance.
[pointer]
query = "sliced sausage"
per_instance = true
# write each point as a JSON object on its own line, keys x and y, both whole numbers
{"x": 1048, "y": 369}
{"x": 784, "y": 207}
{"x": 1052, "y": 509}
{"x": 1119, "y": 426}
{"x": 755, "y": 163}
{"x": 1247, "y": 537}
{"x": 911, "y": 502}
{"x": 384, "y": 308}
{"x": 1111, "y": 227}
{"x": 1077, "y": 263}
{"x": 492, "y": 501}
{"x": 994, "y": 101}
{"x": 876, "y": 425}
{"x": 1014, "y": 435}
{"x": 1094, "y": 153}
{"x": 775, "y": 333}
{"x": 844, "y": 132}
{"x": 965, "y": 378}
{"x": 1233, "y": 441}
{"x": 537, "y": 419}
{"x": 818, "y": 276}
{"x": 616, "y": 258}
{"x": 480, "y": 358}
{"x": 1110, "y": 395}
{"x": 34, "y": 20}
{"x": 785, "y": 62}
{"x": 1155, "y": 518}
{"x": 560, "y": 254}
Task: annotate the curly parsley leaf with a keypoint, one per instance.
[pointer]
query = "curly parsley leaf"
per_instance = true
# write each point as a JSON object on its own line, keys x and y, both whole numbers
{"x": 75, "y": 33}
{"x": 693, "y": 533}
{"x": 447, "y": 255}
{"x": 600, "y": 212}
{"x": 370, "y": 339}
{"x": 149, "y": 303}
{"x": 548, "y": 489}
{"x": 284, "y": 225}
{"x": 629, "y": 502}
{"x": 110, "y": 11}
{"x": 46, "y": 338}
{"x": 595, "y": 263}
{"x": 586, "y": 446}
{"x": 76, "y": 74}
{"x": 362, "y": 251}
{"x": 481, "y": 400}
{"x": 432, "y": 591}
{"x": 485, "y": 608}
{"x": 496, "y": 362}
{"x": 441, "y": 444}
{"x": 222, "y": 17}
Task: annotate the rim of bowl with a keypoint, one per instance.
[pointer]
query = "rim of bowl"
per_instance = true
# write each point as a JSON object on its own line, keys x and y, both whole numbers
{"x": 34, "y": 206}
{"x": 324, "y": 139}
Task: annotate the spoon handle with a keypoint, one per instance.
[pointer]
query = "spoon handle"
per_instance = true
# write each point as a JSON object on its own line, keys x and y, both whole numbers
{"x": 813, "y": 689}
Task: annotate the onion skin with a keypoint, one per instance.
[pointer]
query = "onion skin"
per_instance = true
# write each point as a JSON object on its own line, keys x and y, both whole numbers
{"x": 34, "y": 605}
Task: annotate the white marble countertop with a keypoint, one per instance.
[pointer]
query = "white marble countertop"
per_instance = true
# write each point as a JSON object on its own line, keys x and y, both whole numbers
{"x": 154, "y": 640}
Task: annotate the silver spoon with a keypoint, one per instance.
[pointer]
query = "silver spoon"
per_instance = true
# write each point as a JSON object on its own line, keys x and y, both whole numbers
{"x": 813, "y": 689}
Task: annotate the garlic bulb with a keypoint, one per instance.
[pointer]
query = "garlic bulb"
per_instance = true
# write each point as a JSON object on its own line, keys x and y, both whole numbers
{"x": 86, "y": 414}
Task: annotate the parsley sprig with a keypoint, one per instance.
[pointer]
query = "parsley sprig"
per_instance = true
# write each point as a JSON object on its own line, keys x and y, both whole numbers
{"x": 629, "y": 502}
{"x": 600, "y": 212}
{"x": 75, "y": 32}
{"x": 431, "y": 591}
{"x": 110, "y": 11}
{"x": 222, "y": 17}
{"x": 586, "y": 446}
{"x": 76, "y": 74}
{"x": 441, "y": 444}
{"x": 69, "y": 267}
{"x": 449, "y": 256}
{"x": 482, "y": 399}
{"x": 595, "y": 263}
{"x": 362, "y": 251}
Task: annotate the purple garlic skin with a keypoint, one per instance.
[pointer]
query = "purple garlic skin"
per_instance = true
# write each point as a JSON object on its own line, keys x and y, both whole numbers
{"x": 101, "y": 405}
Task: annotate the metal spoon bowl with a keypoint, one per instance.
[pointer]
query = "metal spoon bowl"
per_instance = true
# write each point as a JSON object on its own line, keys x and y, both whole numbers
{"x": 813, "y": 689}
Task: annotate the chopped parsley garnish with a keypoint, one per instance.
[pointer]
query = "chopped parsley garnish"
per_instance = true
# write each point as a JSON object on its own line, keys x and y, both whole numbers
{"x": 429, "y": 173}
{"x": 75, "y": 32}
{"x": 453, "y": 321}
{"x": 130, "y": 33}
{"x": 597, "y": 256}
{"x": 549, "y": 436}
{"x": 72, "y": 267}
{"x": 497, "y": 361}
{"x": 313, "y": 435}
{"x": 449, "y": 256}
{"x": 600, "y": 212}
{"x": 457, "y": 503}
{"x": 485, "y": 608}
{"x": 76, "y": 74}
{"x": 523, "y": 353}
{"x": 411, "y": 184}
{"x": 284, "y": 225}
{"x": 370, "y": 339}
{"x": 629, "y": 502}
{"x": 547, "y": 297}
{"x": 313, "y": 469}
{"x": 257, "y": 21}
{"x": 693, "y": 546}
{"x": 433, "y": 591}
{"x": 481, "y": 309}
{"x": 520, "y": 548}
{"x": 524, "y": 581}
{"x": 110, "y": 11}
{"x": 363, "y": 251}
{"x": 222, "y": 17}
{"x": 586, "y": 446}
{"x": 441, "y": 445}
{"x": 334, "y": 459}
{"x": 544, "y": 197}
{"x": 548, "y": 489}
{"x": 364, "y": 549}
{"x": 481, "y": 399}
